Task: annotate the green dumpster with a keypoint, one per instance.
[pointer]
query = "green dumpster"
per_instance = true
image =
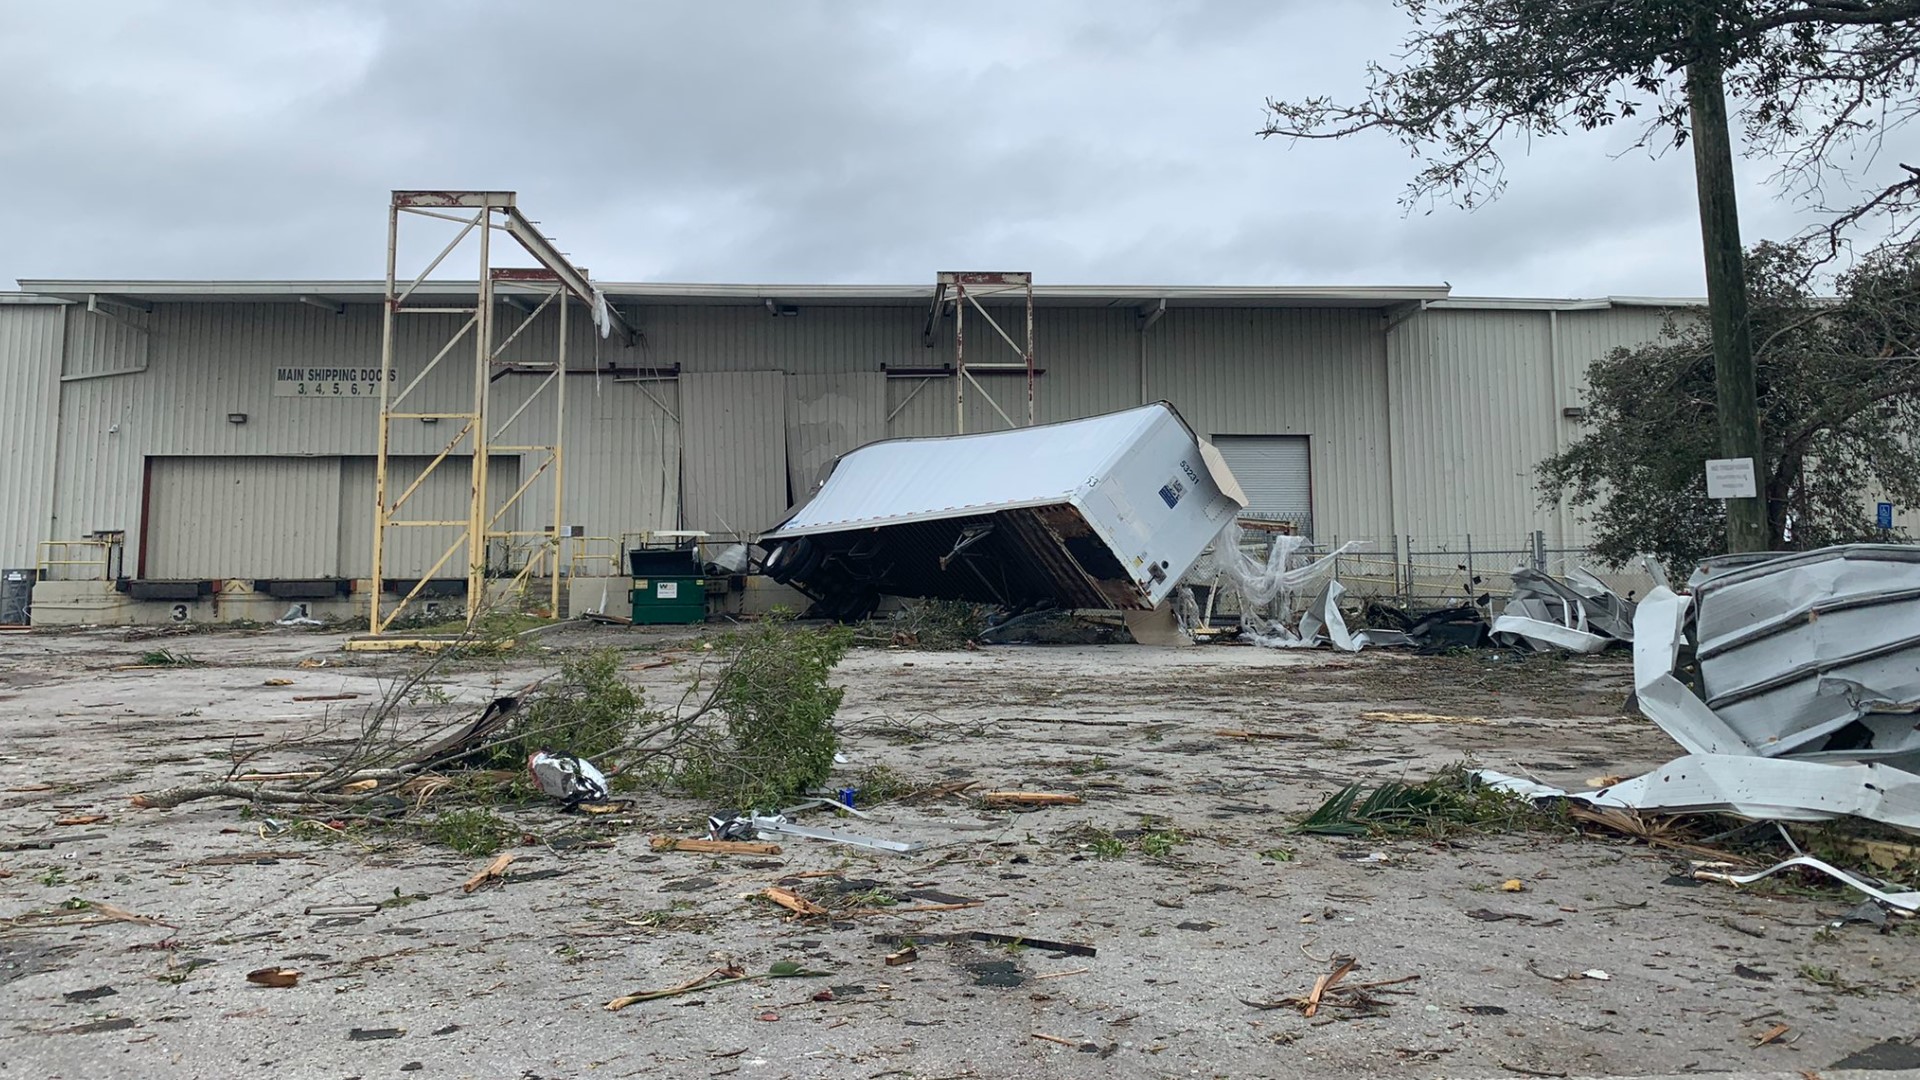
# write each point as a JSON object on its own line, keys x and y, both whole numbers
{"x": 669, "y": 600}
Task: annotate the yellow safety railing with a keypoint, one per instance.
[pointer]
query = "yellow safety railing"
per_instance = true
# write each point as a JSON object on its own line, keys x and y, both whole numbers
{"x": 101, "y": 561}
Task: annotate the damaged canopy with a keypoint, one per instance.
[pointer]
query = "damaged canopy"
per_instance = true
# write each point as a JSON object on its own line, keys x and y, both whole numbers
{"x": 1806, "y": 685}
{"x": 1104, "y": 512}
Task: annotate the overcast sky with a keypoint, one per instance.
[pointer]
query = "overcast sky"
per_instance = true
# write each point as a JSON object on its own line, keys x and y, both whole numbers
{"x": 870, "y": 141}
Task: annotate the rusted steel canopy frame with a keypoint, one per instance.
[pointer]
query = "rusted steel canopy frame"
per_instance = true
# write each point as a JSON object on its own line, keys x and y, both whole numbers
{"x": 967, "y": 288}
{"x": 557, "y": 279}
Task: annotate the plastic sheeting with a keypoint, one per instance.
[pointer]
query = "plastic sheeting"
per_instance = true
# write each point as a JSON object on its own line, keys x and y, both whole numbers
{"x": 1283, "y": 605}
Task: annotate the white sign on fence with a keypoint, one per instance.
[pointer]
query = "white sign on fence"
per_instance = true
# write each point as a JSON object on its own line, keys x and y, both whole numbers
{"x": 1731, "y": 478}
{"x": 327, "y": 382}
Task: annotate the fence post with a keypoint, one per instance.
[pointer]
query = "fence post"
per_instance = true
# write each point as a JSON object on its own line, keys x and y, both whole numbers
{"x": 1540, "y": 550}
{"x": 1409, "y": 538}
{"x": 1470, "y": 581}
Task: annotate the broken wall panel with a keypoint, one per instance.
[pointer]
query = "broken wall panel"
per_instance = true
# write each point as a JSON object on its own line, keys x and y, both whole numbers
{"x": 829, "y": 415}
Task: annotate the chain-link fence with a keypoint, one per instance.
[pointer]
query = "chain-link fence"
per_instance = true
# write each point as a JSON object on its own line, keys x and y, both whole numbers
{"x": 1435, "y": 573}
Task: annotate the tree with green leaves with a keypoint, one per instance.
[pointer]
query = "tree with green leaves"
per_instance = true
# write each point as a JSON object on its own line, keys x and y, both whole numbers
{"x": 1816, "y": 82}
{"x": 1839, "y": 382}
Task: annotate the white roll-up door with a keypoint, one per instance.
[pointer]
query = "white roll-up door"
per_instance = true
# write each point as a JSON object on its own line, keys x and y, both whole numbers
{"x": 1276, "y": 473}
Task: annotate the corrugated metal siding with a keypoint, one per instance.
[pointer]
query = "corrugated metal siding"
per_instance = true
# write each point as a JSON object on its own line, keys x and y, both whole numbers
{"x": 446, "y": 495}
{"x": 1311, "y": 372}
{"x": 1475, "y": 411}
{"x": 828, "y": 415}
{"x": 30, "y": 343}
{"x": 105, "y": 345}
{"x": 243, "y": 517}
{"x": 734, "y": 427}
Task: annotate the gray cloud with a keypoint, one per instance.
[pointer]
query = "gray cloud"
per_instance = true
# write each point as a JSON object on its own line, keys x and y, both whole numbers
{"x": 815, "y": 140}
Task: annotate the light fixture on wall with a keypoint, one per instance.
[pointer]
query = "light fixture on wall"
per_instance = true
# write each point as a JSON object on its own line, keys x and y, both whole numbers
{"x": 429, "y": 419}
{"x": 236, "y": 418}
{"x": 1574, "y": 412}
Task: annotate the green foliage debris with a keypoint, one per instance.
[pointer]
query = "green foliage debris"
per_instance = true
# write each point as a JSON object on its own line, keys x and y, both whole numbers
{"x": 1448, "y": 802}
{"x": 776, "y": 740}
{"x": 472, "y": 831}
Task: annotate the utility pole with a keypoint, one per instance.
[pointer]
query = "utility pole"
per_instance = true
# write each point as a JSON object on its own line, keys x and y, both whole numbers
{"x": 1737, "y": 405}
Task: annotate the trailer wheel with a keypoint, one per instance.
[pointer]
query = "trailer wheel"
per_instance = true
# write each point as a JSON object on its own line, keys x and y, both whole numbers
{"x": 790, "y": 560}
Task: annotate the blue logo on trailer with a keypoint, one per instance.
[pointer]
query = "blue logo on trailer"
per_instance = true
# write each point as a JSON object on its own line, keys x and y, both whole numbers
{"x": 1171, "y": 491}
{"x": 1883, "y": 515}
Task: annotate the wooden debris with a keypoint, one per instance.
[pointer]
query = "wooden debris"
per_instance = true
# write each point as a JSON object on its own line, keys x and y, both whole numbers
{"x": 325, "y": 697}
{"x": 1772, "y": 1034}
{"x": 274, "y": 777}
{"x": 1061, "y": 974}
{"x": 1329, "y": 992}
{"x": 713, "y": 847}
{"x": 1077, "y": 1044}
{"x": 904, "y": 956}
{"x": 83, "y": 819}
{"x": 938, "y": 791}
{"x": 495, "y": 871}
{"x": 244, "y": 858}
{"x": 1513, "y": 885}
{"x": 785, "y": 969}
{"x": 278, "y": 682}
{"x": 1384, "y": 717}
{"x": 357, "y": 786}
{"x": 274, "y": 976}
{"x": 918, "y": 909}
{"x": 1323, "y": 984}
{"x": 793, "y": 901}
{"x": 1002, "y": 799}
{"x": 1234, "y": 733}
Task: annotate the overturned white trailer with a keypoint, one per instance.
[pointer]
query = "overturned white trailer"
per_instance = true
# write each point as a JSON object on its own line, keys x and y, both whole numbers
{"x": 1104, "y": 512}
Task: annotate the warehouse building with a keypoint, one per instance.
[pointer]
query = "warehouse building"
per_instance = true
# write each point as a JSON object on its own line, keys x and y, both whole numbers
{"x": 224, "y": 433}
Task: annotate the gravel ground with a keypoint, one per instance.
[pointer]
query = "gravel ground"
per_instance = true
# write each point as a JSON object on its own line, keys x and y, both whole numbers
{"x": 1211, "y": 910}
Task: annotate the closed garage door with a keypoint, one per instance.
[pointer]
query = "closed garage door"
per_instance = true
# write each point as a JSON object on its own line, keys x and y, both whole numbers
{"x": 1276, "y": 472}
{"x": 241, "y": 517}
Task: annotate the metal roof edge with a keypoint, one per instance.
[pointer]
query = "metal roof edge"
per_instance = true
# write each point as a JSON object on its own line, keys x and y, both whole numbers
{"x": 747, "y": 293}
{"x": 31, "y": 298}
{"x": 1598, "y": 303}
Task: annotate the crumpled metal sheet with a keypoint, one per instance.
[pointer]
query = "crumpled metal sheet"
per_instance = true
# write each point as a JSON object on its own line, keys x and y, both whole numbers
{"x": 1763, "y": 789}
{"x": 1578, "y": 614}
{"x": 1816, "y": 652}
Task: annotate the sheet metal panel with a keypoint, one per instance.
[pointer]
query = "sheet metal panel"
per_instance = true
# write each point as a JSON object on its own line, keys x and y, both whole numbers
{"x": 734, "y": 461}
{"x": 828, "y": 415}
{"x": 242, "y": 517}
{"x": 30, "y": 345}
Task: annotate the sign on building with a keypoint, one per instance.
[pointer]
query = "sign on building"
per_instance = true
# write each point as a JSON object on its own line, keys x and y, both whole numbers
{"x": 327, "y": 382}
